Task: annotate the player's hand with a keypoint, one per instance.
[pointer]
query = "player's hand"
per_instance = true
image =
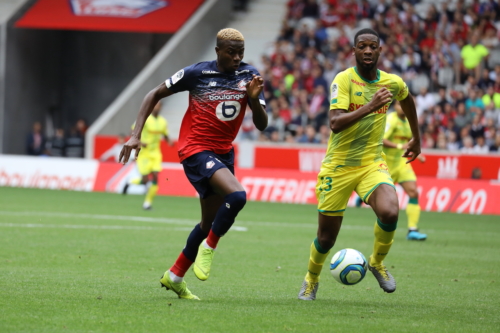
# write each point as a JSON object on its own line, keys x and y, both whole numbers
{"x": 381, "y": 98}
{"x": 421, "y": 158}
{"x": 412, "y": 151}
{"x": 254, "y": 87}
{"x": 132, "y": 143}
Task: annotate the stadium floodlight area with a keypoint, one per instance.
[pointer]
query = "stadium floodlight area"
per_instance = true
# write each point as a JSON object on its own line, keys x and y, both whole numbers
{"x": 183, "y": 48}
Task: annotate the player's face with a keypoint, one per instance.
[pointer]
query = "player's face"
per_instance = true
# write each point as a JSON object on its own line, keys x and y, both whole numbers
{"x": 367, "y": 51}
{"x": 229, "y": 55}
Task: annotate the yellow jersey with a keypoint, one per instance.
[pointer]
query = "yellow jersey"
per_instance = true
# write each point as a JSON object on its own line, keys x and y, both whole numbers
{"x": 360, "y": 144}
{"x": 154, "y": 129}
{"x": 397, "y": 131}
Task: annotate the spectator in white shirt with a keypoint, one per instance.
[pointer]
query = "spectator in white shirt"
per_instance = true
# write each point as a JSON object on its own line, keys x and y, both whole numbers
{"x": 481, "y": 147}
{"x": 468, "y": 147}
{"x": 425, "y": 101}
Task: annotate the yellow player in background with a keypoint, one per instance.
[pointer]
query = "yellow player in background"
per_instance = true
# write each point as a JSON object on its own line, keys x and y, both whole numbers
{"x": 150, "y": 157}
{"x": 396, "y": 138}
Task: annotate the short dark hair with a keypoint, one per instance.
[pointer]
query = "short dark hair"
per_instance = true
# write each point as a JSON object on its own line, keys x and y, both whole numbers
{"x": 366, "y": 31}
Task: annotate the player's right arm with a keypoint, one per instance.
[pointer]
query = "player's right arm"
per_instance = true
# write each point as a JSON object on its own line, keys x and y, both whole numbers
{"x": 149, "y": 102}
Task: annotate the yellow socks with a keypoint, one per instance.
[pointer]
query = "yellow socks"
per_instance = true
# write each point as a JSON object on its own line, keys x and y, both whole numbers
{"x": 151, "y": 194}
{"x": 316, "y": 259}
{"x": 413, "y": 213}
{"x": 384, "y": 236}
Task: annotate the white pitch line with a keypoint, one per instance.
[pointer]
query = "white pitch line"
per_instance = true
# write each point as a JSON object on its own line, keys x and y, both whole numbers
{"x": 76, "y": 226}
{"x": 114, "y": 217}
{"x": 190, "y": 222}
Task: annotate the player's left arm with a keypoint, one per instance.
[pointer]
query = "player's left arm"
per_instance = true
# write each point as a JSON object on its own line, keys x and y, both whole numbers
{"x": 254, "y": 91}
{"x": 413, "y": 146}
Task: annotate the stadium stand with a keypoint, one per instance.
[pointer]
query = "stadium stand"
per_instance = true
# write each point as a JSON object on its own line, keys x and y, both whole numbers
{"x": 447, "y": 52}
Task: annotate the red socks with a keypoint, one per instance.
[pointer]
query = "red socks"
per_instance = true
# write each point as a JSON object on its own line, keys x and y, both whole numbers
{"x": 212, "y": 239}
{"x": 181, "y": 265}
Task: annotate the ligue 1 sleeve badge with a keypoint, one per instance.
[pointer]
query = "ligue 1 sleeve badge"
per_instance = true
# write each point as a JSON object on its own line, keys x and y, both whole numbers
{"x": 116, "y": 8}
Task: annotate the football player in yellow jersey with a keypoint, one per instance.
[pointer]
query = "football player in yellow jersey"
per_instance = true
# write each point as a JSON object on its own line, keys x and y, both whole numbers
{"x": 396, "y": 137}
{"x": 354, "y": 161}
{"x": 150, "y": 157}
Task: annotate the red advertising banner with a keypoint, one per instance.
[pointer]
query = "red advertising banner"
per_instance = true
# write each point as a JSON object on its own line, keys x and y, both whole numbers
{"x": 451, "y": 166}
{"x": 267, "y": 185}
{"x": 290, "y": 186}
{"x": 308, "y": 159}
{"x": 156, "y": 16}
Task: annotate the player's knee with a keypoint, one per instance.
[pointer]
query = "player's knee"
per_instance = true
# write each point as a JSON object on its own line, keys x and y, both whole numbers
{"x": 326, "y": 241}
{"x": 389, "y": 215}
{"x": 413, "y": 194}
{"x": 237, "y": 200}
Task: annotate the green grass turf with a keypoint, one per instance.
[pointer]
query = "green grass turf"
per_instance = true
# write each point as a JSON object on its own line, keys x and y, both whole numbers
{"x": 84, "y": 262}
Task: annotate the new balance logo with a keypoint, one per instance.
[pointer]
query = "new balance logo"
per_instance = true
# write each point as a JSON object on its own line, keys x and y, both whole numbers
{"x": 209, "y": 72}
{"x": 212, "y": 84}
{"x": 358, "y": 93}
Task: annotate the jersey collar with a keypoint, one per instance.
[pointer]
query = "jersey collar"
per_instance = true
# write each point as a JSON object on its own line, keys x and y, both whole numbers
{"x": 368, "y": 81}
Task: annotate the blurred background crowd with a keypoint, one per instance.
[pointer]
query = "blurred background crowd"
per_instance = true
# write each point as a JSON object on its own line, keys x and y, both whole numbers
{"x": 448, "y": 54}
{"x": 62, "y": 144}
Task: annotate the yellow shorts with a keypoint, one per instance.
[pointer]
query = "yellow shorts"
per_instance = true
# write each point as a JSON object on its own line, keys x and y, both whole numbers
{"x": 402, "y": 172}
{"x": 149, "y": 162}
{"x": 335, "y": 186}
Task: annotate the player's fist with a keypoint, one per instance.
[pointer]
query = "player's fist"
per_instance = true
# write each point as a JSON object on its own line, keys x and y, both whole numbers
{"x": 132, "y": 143}
{"x": 381, "y": 98}
{"x": 255, "y": 86}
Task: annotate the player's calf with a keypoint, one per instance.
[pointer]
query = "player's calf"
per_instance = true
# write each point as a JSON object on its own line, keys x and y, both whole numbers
{"x": 233, "y": 204}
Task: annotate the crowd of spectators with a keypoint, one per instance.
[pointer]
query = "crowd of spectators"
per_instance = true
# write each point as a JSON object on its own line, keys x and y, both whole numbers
{"x": 448, "y": 53}
{"x": 59, "y": 144}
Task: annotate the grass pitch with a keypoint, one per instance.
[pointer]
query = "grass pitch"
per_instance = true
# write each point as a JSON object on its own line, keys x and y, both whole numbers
{"x": 91, "y": 262}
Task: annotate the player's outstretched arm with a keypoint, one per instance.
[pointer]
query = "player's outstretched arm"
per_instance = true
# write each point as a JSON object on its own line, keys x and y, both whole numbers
{"x": 259, "y": 115}
{"x": 147, "y": 106}
{"x": 413, "y": 148}
{"x": 341, "y": 120}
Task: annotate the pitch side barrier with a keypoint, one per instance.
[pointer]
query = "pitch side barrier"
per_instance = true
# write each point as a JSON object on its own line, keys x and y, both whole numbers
{"x": 464, "y": 196}
{"x": 182, "y": 49}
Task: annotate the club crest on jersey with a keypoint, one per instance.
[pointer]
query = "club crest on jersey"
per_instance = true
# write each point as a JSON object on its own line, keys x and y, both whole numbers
{"x": 177, "y": 76}
{"x": 210, "y": 164}
{"x": 116, "y": 8}
{"x": 242, "y": 85}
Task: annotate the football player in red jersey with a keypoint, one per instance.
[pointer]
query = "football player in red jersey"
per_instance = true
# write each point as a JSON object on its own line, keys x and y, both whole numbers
{"x": 219, "y": 92}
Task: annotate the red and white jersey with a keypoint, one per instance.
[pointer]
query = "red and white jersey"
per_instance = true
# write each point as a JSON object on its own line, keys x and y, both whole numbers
{"x": 217, "y": 104}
